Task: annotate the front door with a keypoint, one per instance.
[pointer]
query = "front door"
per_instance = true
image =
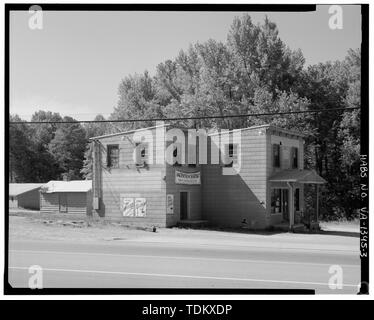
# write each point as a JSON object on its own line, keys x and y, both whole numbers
{"x": 184, "y": 205}
{"x": 284, "y": 205}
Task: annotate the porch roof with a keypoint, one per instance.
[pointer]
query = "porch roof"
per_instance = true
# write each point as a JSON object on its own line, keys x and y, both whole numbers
{"x": 299, "y": 176}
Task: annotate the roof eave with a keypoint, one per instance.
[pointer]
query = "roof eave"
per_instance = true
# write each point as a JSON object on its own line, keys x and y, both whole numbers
{"x": 126, "y": 132}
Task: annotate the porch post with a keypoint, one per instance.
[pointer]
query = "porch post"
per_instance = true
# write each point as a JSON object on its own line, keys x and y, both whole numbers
{"x": 317, "y": 204}
{"x": 291, "y": 205}
{"x": 96, "y": 175}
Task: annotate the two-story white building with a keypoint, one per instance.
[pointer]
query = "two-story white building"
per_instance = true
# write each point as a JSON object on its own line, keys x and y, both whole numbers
{"x": 256, "y": 177}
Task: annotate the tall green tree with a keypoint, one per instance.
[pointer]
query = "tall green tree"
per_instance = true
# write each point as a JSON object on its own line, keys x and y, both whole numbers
{"x": 45, "y": 168}
{"x": 136, "y": 100}
{"x": 21, "y": 152}
{"x": 68, "y": 147}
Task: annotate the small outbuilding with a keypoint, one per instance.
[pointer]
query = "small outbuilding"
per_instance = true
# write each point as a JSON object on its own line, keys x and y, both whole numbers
{"x": 24, "y": 195}
{"x": 66, "y": 197}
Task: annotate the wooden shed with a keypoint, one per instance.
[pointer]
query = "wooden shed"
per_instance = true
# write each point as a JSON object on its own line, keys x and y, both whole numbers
{"x": 24, "y": 195}
{"x": 73, "y": 197}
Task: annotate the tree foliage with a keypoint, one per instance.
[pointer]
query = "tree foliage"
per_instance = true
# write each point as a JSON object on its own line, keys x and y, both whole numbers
{"x": 43, "y": 152}
{"x": 254, "y": 71}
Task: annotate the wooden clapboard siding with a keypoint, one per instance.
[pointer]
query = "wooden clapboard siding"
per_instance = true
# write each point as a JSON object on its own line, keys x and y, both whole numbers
{"x": 131, "y": 181}
{"x": 77, "y": 202}
{"x": 49, "y": 202}
{"x": 221, "y": 199}
{"x": 228, "y": 199}
{"x": 29, "y": 200}
{"x": 287, "y": 143}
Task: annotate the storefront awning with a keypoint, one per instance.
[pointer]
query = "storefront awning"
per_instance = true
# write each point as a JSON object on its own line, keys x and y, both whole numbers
{"x": 299, "y": 176}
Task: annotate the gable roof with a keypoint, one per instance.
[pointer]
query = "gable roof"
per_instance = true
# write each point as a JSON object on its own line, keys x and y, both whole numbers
{"x": 16, "y": 189}
{"x": 67, "y": 186}
{"x": 300, "y": 176}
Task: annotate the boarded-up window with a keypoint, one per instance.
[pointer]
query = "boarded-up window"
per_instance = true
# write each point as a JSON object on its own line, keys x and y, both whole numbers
{"x": 294, "y": 157}
{"x": 113, "y": 156}
{"x": 276, "y": 155}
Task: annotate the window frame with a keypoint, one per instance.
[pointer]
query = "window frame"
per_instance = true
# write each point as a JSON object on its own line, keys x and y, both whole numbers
{"x": 176, "y": 147}
{"x": 109, "y": 158}
{"x": 143, "y": 158}
{"x": 276, "y": 161}
{"x": 233, "y": 157}
{"x": 294, "y": 157}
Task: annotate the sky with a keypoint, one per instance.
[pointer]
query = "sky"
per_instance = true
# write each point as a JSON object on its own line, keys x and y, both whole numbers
{"x": 75, "y": 63}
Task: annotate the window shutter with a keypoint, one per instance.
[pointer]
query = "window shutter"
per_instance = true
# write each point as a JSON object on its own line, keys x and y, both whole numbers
{"x": 276, "y": 156}
{"x": 285, "y": 157}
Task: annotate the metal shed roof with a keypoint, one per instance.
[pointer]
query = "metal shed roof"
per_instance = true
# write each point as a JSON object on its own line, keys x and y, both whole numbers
{"x": 16, "y": 189}
{"x": 67, "y": 186}
{"x": 300, "y": 176}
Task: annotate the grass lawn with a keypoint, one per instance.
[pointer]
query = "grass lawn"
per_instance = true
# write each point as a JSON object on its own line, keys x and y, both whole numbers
{"x": 343, "y": 226}
{"x": 33, "y": 225}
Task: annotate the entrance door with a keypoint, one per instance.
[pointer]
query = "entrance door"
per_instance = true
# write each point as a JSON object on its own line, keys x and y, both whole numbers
{"x": 184, "y": 205}
{"x": 284, "y": 205}
{"x": 63, "y": 200}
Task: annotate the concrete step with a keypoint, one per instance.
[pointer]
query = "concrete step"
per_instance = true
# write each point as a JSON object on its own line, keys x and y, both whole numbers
{"x": 299, "y": 227}
{"x": 193, "y": 224}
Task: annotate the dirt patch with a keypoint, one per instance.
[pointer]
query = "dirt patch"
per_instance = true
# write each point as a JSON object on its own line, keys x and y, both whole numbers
{"x": 40, "y": 227}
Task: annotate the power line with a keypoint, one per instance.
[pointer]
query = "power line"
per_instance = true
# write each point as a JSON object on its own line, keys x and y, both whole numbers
{"x": 188, "y": 118}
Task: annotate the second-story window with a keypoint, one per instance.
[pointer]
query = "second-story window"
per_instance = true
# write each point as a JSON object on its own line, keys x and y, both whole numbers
{"x": 177, "y": 159}
{"x": 294, "y": 157}
{"x": 141, "y": 153}
{"x": 113, "y": 156}
{"x": 276, "y": 155}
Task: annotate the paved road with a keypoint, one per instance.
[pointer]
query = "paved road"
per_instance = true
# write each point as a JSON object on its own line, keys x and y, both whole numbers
{"x": 134, "y": 264}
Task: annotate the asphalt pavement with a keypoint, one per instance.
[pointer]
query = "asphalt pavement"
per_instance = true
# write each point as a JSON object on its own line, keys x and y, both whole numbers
{"x": 164, "y": 264}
